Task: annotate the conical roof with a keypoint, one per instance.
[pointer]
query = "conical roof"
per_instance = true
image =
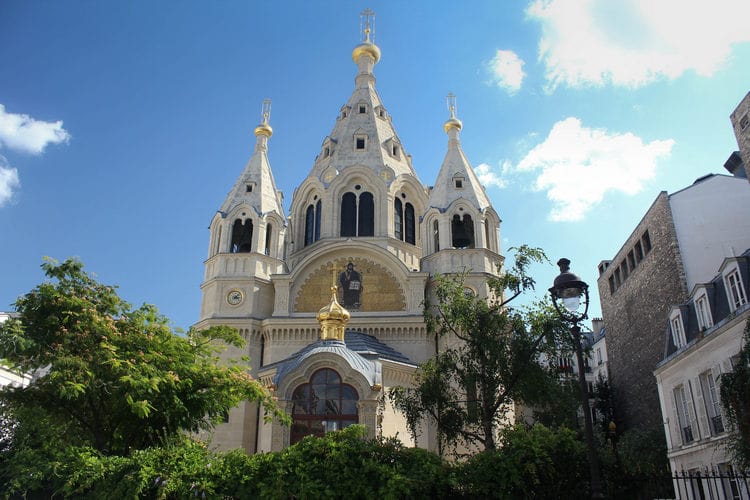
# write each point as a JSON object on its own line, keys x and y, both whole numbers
{"x": 255, "y": 185}
{"x": 364, "y": 117}
{"x": 456, "y": 179}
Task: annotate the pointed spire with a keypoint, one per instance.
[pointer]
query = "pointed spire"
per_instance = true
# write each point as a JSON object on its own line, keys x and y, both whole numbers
{"x": 456, "y": 178}
{"x": 256, "y": 185}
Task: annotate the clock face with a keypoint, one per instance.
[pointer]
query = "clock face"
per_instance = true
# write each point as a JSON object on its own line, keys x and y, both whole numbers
{"x": 234, "y": 297}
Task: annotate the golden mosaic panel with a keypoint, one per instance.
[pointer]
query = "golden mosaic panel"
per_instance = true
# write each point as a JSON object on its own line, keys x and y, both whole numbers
{"x": 365, "y": 287}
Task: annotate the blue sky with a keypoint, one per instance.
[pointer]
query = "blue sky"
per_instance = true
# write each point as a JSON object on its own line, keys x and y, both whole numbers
{"x": 123, "y": 125}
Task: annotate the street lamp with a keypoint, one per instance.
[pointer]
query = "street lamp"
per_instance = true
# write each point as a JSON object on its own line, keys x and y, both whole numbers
{"x": 568, "y": 291}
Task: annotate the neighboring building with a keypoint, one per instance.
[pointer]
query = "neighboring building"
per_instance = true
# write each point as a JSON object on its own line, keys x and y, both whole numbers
{"x": 702, "y": 336}
{"x": 361, "y": 220}
{"x": 598, "y": 355}
{"x": 740, "y": 119}
{"x": 675, "y": 246}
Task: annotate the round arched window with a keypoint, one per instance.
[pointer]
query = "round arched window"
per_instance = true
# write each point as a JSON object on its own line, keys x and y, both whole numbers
{"x": 322, "y": 405}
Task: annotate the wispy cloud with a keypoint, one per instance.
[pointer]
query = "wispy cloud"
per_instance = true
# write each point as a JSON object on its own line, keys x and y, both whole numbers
{"x": 8, "y": 181}
{"x": 487, "y": 177}
{"x": 23, "y": 133}
{"x": 577, "y": 166}
{"x": 634, "y": 42}
{"x": 506, "y": 69}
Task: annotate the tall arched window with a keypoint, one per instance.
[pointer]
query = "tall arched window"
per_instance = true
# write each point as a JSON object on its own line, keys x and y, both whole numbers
{"x": 403, "y": 222}
{"x": 242, "y": 236}
{"x": 410, "y": 232}
{"x": 312, "y": 223}
{"x": 269, "y": 236}
{"x": 398, "y": 217}
{"x": 436, "y": 235}
{"x": 357, "y": 214}
{"x": 322, "y": 405}
{"x": 488, "y": 244}
{"x": 462, "y": 231}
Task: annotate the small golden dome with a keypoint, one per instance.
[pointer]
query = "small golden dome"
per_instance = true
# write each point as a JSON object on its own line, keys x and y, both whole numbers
{"x": 366, "y": 48}
{"x": 452, "y": 123}
{"x": 334, "y": 310}
{"x": 264, "y": 129}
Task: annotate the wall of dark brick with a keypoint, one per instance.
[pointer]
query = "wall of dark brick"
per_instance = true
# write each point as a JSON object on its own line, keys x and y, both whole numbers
{"x": 743, "y": 136}
{"x": 636, "y": 316}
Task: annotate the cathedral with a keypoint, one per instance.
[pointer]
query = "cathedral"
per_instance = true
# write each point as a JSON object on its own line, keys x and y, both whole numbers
{"x": 329, "y": 298}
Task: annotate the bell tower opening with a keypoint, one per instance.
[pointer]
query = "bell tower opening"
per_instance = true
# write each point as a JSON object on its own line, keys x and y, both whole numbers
{"x": 242, "y": 236}
{"x": 462, "y": 231}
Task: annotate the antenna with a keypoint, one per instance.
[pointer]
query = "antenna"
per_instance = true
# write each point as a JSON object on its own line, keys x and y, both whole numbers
{"x": 451, "y": 101}
{"x": 266, "y": 110}
{"x": 367, "y": 25}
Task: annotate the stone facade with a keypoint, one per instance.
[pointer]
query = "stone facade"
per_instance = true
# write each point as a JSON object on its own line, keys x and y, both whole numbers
{"x": 635, "y": 311}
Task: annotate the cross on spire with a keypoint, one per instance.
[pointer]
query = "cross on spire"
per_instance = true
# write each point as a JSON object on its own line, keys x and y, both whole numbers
{"x": 266, "y": 110}
{"x": 367, "y": 24}
{"x": 451, "y": 101}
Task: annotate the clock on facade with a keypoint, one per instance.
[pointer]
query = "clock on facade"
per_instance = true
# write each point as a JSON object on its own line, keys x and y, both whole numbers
{"x": 234, "y": 297}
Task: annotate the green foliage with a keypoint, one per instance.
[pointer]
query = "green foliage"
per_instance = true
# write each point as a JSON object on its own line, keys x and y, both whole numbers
{"x": 340, "y": 465}
{"x": 468, "y": 388}
{"x": 604, "y": 403}
{"x": 532, "y": 462}
{"x": 108, "y": 376}
{"x": 735, "y": 399}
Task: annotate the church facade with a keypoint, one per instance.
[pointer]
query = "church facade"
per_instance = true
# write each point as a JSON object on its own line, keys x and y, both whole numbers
{"x": 329, "y": 298}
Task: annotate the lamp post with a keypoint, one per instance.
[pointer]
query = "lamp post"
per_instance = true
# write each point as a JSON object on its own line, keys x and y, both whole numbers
{"x": 568, "y": 291}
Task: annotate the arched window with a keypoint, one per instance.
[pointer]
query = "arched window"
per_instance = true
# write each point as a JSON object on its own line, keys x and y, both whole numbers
{"x": 462, "y": 231}
{"x": 410, "y": 233}
{"x": 218, "y": 240}
{"x": 398, "y": 220}
{"x": 357, "y": 214}
{"x": 309, "y": 225}
{"x": 403, "y": 221}
{"x": 487, "y": 224}
{"x": 242, "y": 236}
{"x": 317, "y": 220}
{"x": 436, "y": 234}
{"x": 322, "y": 405}
{"x": 312, "y": 223}
{"x": 269, "y": 235}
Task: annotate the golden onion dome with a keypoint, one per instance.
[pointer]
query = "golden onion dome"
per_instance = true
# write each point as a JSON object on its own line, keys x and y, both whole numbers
{"x": 452, "y": 123}
{"x": 264, "y": 129}
{"x": 366, "y": 48}
{"x": 333, "y": 311}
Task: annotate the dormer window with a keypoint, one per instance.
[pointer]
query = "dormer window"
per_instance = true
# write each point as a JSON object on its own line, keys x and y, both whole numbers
{"x": 458, "y": 183}
{"x": 360, "y": 142}
{"x": 678, "y": 330}
{"x": 249, "y": 187}
{"x": 735, "y": 289}
{"x": 362, "y": 109}
{"x": 703, "y": 311}
{"x": 744, "y": 122}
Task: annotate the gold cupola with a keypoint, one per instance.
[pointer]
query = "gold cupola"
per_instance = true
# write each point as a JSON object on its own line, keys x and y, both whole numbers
{"x": 264, "y": 128}
{"x": 452, "y": 123}
{"x": 333, "y": 319}
{"x": 366, "y": 48}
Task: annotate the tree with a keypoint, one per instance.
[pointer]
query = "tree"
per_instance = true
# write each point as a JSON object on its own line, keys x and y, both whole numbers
{"x": 468, "y": 388}
{"x": 735, "y": 398}
{"x": 110, "y": 376}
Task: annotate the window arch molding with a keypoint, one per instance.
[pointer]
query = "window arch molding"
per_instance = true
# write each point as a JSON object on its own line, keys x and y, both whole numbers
{"x": 347, "y": 182}
{"x": 242, "y": 237}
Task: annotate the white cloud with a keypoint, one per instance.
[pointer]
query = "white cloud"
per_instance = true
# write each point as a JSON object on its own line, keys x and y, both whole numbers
{"x": 507, "y": 70}
{"x": 24, "y": 133}
{"x": 8, "y": 181}
{"x": 577, "y": 166}
{"x": 634, "y": 42}
{"x": 487, "y": 177}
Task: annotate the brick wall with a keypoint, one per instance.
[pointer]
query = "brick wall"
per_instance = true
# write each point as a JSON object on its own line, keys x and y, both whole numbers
{"x": 636, "y": 314}
{"x": 742, "y": 135}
